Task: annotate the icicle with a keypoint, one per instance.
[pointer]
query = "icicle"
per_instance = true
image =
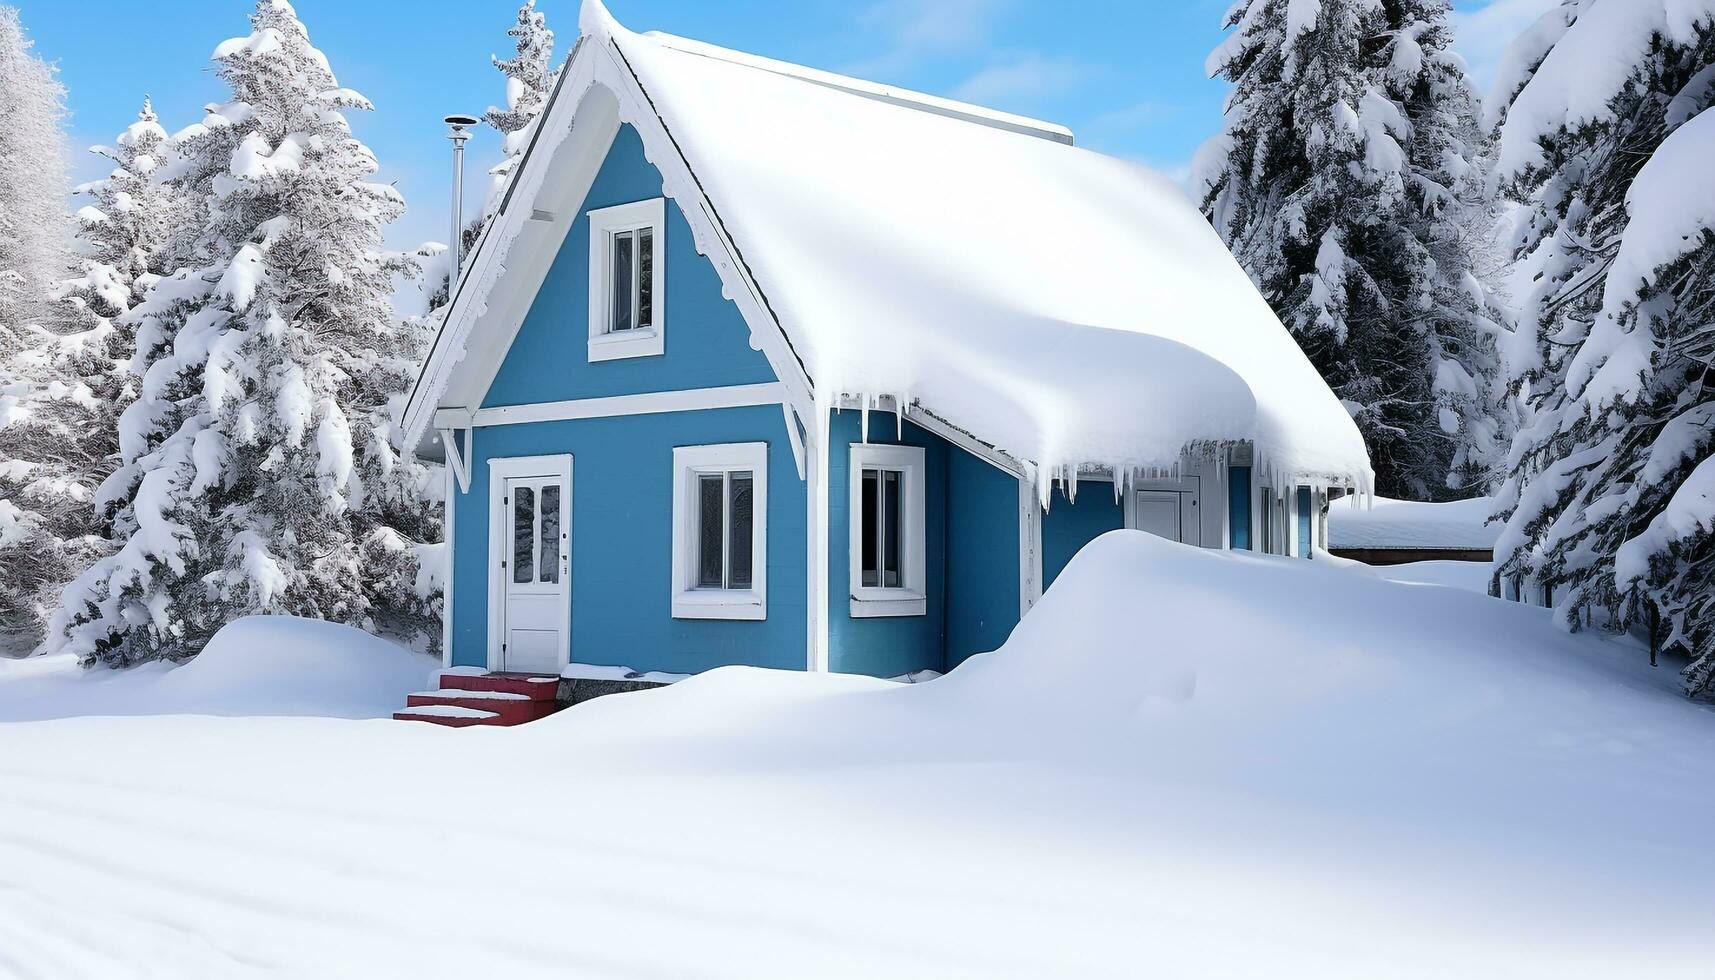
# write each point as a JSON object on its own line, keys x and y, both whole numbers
{"x": 863, "y": 419}
{"x": 899, "y": 415}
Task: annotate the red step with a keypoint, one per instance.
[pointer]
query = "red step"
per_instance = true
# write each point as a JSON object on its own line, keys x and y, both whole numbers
{"x": 447, "y": 720}
{"x": 510, "y": 711}
{"x": 466, "y": 700}
{"x": 533, "y": 686}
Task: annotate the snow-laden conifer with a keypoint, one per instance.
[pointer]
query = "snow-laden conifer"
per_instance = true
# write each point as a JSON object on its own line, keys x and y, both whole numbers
{"x": 1346, "y": 181}
{"x": 46, "y": 466}
{"x": 529, "y": 82}
{"x": 123, "y": 230}
{"x": 1605, "y": 144}
{"x": 259, "y": 474}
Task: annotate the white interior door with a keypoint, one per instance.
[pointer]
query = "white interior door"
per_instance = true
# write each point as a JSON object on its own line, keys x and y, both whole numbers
{"x": 534, "y": 569}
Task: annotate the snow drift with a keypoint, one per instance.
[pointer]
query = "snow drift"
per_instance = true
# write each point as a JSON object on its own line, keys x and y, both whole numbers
{"x": 259, "y": 665}
{"x": 1182, "y": 763}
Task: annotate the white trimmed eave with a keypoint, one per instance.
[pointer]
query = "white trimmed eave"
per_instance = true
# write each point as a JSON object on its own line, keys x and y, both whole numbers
{"x": 597, "y": 92}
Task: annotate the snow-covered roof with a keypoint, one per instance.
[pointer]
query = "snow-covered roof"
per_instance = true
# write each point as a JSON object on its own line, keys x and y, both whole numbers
{"x": 1458, "y": 525}
{"x": 1065, "y": 307}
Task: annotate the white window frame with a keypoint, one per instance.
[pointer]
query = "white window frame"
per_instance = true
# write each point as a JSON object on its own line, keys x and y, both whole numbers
{"x": 689, "y": 463}
{"x": 604, "y": 224}
{"x": 909, "y": 598}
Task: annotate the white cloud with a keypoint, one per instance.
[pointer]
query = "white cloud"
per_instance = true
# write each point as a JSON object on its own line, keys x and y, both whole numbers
{"x": 1023, "y": 77}
{"x": 915, "y": 30}
{"x": 1482, "y": 34}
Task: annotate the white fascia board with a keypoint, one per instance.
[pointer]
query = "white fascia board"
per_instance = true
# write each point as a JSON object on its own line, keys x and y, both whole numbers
{"x": 707, "y": 232}
{"x": 642, "y": 403}
{"x": 486, "y": 263}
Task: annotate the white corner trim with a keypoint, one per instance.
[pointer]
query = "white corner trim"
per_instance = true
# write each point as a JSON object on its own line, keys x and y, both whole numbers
{"x": 604, "y": 223}
{"x": 643, "y": 403}
{"x": 1029, "y": 547}
{"x": 907, "y": 599}
{"x": 818, "y": 608}
{"x": 449, "y": 508}
{"x": 689, "y": 601}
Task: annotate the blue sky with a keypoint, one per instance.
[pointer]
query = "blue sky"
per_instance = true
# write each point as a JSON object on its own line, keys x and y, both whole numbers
{"x": 1126, "y": 75}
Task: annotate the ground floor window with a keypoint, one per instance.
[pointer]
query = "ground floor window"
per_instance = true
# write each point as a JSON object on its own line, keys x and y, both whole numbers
{"x": 720, "y": 531}
{"x": 888, "y": 533}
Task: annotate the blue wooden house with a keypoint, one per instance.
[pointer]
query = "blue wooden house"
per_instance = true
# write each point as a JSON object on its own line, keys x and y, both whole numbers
{"x": 756, "y": 364}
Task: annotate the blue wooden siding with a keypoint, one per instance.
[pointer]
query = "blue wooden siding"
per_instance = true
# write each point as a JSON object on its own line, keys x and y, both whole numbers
{"x": 1068, "y": 526}
{"x": 622, "y": 531}
{"x": 982, "y": 556}
{"x": 622, "y": 488}
{"x": 971, "y": 558}
{"x": 885, "y": 646}
{"x": 1304, "y": 542}
{"x": 1239, "y": 506}
{"x": 707, "y": 342}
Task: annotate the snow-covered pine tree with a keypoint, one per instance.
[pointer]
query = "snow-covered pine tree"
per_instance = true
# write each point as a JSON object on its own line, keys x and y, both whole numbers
{"x": 1605, "y": 143}
{"x": 124, "y": 233}
{"x": 34, "y": 235}
{"x": 264, "y": 478}
{"x": 1452, "y": 218}
{"x": 46, "y": 474}
{"x": 529, "y": 82}
{"x": 1343, "y": 181}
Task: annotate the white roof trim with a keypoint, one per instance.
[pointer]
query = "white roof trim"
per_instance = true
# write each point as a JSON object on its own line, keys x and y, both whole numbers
{"x": 592, "y": 65}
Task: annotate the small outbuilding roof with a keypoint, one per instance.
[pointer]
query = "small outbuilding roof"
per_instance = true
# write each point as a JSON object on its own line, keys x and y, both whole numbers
{"x": 1068, "y": 308}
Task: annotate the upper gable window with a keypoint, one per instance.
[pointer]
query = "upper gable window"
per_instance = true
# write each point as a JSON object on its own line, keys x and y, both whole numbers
{"x": 627, "y": 280}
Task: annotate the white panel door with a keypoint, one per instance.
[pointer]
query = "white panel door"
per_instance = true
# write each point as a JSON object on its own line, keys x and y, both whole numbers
{"x": 534, "y": 569}
{"x": 1171, "y": 514}
{"x": 1158, "y": 513}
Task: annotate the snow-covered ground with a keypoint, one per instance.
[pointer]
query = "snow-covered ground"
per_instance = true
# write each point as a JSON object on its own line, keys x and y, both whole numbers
{"x": 1183, "y": 763}
{"x": 1472, "y": 576}
{"x": 1389, "y": 523}
{"x": 260, "y": 665}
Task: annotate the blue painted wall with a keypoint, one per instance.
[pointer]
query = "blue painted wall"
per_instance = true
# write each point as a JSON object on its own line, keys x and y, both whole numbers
{"x": 622, "y": 479}
{"x": 621, "y": 549}
{"x": 1068, "y": 526}
{"x": 1304, "y": 541}
{"x": 971, "y": 558}
{"x": 707, "y": 342}
{"x": 884, "y": 646}
{"x": 622, "y": 488}
{"x": 1239, "y": 506}
{"x": 982, "y": 557}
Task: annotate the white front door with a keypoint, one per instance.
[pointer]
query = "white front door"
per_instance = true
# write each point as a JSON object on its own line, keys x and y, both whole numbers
{"x": 532, "y": 571}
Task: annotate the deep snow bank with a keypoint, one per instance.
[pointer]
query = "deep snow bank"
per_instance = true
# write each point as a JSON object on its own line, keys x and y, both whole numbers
{"x": 259, "y": 665}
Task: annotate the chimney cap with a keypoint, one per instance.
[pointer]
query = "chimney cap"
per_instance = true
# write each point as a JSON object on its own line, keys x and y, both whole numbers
{"x": 459, "y": 119}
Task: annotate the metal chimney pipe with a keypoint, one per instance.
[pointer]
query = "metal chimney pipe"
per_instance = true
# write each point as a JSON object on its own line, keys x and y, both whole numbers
{"x": 458, "y": 132}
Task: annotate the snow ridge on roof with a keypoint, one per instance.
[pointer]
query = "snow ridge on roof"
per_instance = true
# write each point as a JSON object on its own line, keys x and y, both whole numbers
{"x": 891, "y": 94}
